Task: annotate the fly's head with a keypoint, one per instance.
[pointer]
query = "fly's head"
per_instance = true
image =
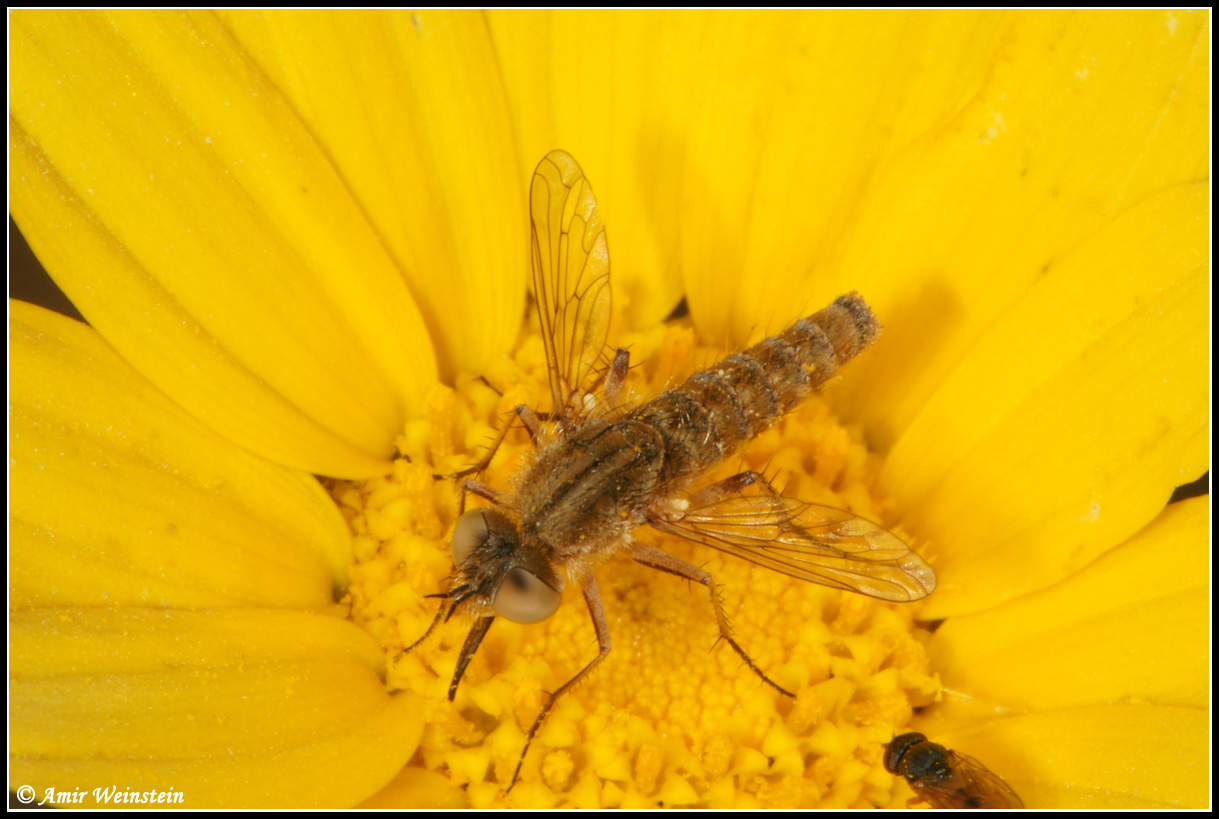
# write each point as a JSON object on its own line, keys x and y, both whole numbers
{"x": 897, "y": 749}
{"x": 500, "y": 573}
{"x": 496, "y": 573}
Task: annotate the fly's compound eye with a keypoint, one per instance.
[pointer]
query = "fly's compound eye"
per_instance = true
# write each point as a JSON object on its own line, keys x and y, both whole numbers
{"x": 472, "y": 531}
{"x": 523, "y": 597}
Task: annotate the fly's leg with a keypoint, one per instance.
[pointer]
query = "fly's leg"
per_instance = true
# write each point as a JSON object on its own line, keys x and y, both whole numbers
{"x": 482, "y": 490}
{"x": 532, "y": 424}
{"x": 435, "y": 622}
{"x": 477, "y": 488}
{"x": 473, "y": 640}
{"x": 665, "y": 562}
{"x": 616, "y": 379}
{"x": 729, "y": 487}
{"x": 655, "y": 558}
{"x": 531, "y": 421}
{"x": 482, "y": 462}
{"x": 612, "y": 380}
{"x": 592, "y": 596}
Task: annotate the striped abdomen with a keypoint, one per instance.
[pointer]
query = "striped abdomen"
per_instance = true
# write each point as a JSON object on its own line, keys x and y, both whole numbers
{"x": 719, "y": 409}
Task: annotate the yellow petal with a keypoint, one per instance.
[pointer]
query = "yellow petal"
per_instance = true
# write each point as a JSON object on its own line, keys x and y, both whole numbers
{"x": 1064, "y": 429}
{"x": 410, "y": 108}
{"x": 575, "y": 79}
{"x": 1131, "y": 627}
{"x": 1094, "y": 757}
{"x": 120, "y": 497}
{"x": 238, "y": 708}
{"x": 188, "y": 211}
{"x": 796, "y": 114}
{"x": 416, "y": 787}
{"x": 1077, "y": 118}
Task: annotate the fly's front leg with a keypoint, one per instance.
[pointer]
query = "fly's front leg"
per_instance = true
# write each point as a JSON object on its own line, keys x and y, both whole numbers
{"x": 532, "y": 424}
{"x": 435, "y": 622}
{"x": 477, "y": 488}
{"x": 665, "y": 562}
{"x": 592, "y": 596}
{"x": 473, "y": 640}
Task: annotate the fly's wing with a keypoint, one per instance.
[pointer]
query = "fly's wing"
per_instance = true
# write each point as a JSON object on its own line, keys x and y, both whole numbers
{"x": 970, "y": 784}
{"x": 570, "y": 277}
{"x": 812, "y": 542}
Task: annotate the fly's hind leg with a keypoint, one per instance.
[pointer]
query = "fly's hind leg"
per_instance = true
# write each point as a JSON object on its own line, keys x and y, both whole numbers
{"x": 655, "y": 558}
{"x": 733, "y": 486}
{"x": 729, "y": 487}
{"x": 665, "y": 562}
{"x": 592, "y": 596}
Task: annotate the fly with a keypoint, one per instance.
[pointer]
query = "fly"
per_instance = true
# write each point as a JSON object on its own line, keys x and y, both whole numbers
{"x": 944, "y": 778}
{"x": 605, "y": 469}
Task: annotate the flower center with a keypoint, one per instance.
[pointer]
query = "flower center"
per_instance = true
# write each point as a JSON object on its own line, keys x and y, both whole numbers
{"x": 670, "y": 717}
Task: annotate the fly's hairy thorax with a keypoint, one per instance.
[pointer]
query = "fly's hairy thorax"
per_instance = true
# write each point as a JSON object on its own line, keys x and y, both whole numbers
{"x": 589, "y": 487}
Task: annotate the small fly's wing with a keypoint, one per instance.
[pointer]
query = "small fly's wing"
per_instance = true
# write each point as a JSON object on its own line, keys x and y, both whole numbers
{"x": 571, "y": 283}
{"x": 809, "y": 541}
{"x": 969, "y": 784}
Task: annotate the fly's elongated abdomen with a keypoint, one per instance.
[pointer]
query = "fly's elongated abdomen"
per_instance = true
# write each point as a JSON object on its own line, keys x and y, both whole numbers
{"x": 719, "y": 409}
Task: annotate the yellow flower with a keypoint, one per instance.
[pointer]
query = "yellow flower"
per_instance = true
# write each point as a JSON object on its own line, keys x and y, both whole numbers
{"x": 285, "y": 229}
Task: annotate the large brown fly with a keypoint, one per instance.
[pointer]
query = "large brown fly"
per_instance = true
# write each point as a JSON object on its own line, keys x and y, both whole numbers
{"x": 605, "y": 469}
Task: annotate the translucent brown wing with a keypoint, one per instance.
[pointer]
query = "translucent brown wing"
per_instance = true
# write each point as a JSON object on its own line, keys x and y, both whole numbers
{"x": 968, "y": 784}
{"x": 812, "y": 542}
{"x": 570, "y": 277}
